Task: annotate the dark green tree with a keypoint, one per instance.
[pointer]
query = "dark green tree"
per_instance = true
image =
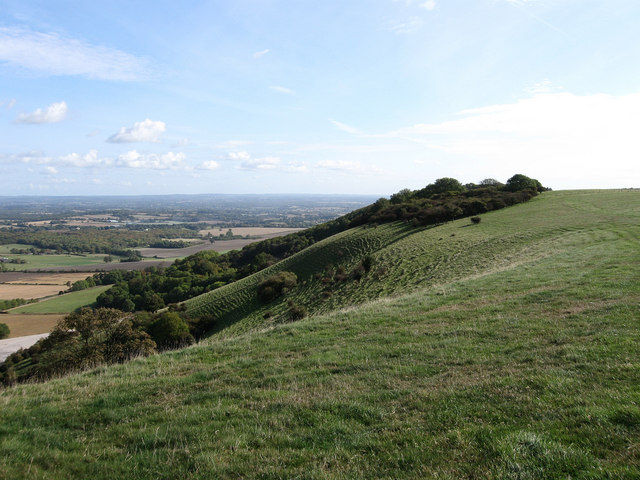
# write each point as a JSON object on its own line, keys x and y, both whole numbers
{"x": 4, "y": 331}
{"x": 521, "y": 182}
{"x": 169, "y": 330}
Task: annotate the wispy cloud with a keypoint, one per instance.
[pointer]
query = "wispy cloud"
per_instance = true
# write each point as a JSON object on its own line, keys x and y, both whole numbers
{"x": 9, "y": 104}
{"x": 145, "y": 131}
{"x": 410, "y": 25}
{"x": 229, "y": 144}
{"x": 429, "y": 4}
{"x": 54, "y": 54}
{"x": 261, "y": 53}
{"x": 348, "y": 167}
{"x": 279, "y": 89}
{"x": 56, "y": 112}
{"x": 522, "y": 5}
{"x": 345, "y": 128}
{"x": 263, "y": 163}
{"x": 248, "y": 162}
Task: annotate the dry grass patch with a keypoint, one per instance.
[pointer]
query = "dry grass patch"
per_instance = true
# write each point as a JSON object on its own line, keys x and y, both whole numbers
{"x": 21, "y": 325}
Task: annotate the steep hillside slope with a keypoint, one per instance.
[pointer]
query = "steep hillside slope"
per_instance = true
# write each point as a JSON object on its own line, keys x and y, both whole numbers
{"x": 404, "y": 257}
{"x": 511, "y": 350}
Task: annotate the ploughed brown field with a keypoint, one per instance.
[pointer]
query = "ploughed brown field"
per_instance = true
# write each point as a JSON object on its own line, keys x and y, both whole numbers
{"x": 21, "y": 325}
{"x": 35, "y": 285}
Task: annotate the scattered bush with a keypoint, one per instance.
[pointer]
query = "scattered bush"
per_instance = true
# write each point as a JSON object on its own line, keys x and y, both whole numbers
{"x": 169, "y": 330}
{"x": 4, "y": 331}
{"x": 475, "y": 220}
{"x": 276, "y": 285}
{"x": 296, "y": 312}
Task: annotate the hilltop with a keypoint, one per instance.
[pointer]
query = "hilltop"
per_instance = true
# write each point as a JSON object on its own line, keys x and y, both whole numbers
{"x": 503, "y": 349}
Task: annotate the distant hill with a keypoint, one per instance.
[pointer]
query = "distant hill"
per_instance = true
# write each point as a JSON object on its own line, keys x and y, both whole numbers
{"x": 508, "y": 348}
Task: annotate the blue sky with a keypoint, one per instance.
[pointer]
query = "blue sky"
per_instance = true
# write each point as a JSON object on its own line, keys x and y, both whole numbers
{"x": 268, "y": 96}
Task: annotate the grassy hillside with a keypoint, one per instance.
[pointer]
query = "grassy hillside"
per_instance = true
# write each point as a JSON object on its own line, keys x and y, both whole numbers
{"x": 510, "y": 350}
{"x": 406, "y": 257}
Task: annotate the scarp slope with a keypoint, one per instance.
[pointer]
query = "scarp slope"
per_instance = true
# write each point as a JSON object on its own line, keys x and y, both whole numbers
{"x": 514, "y": 354}
{"x": 405, "y": 258}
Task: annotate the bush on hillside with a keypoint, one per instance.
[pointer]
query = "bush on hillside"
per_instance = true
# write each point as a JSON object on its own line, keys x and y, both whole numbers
{"x": 83, "y": 339}
{"x": 169, "y": 330}
{"x": 4, "y": 331}
{"x": 296, "y": 312}
{"x": 276, "y": 285}
{"x": 475, "y": 220}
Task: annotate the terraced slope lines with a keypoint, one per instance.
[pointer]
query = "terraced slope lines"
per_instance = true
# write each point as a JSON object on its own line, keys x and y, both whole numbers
{"x": 404, "y": 258}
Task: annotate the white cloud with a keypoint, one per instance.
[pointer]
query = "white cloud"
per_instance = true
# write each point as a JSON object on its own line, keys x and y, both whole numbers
{"x": 53, "y": 54}
{"x": 264, "y": 163}
{"x": 81, "y": 161}
{"x": 56, "y": 112}
{"x": 241, "y": 156}
{"x": 209, "y": 165}
{"x": 130, "y": 159}
{"x": 34, "y": 157}
{"x": 568, "y": 140}
{"x": 51, "y": 170}
{"x": 295, "y": 167}
{"x": 279, "y": 89}
{"x": 145, "y": 131}
{"x": 345, "y": 128}
{"x": 261, "y": 53}
{"x": 169, "y": 160}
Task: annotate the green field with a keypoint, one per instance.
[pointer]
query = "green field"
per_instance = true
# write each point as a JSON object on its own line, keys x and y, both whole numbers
{"x": 63, "y": 303}
{"x": 510, "y": 350}
{"x": 34, "y": 262}
{"x": 7, "y": 247}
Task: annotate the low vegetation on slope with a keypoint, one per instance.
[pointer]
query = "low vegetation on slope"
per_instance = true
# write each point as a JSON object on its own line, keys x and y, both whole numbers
{"x": 514, "y": 358}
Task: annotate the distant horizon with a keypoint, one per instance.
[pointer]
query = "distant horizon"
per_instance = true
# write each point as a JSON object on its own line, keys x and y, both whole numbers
{"x": 289, "y": 194}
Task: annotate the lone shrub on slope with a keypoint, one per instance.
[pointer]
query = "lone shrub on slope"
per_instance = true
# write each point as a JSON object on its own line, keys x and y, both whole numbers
{"x": 276, "y": 285}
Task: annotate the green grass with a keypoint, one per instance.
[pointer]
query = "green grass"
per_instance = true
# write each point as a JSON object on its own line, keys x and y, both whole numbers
{"x": 64, "y": 303}
{"x": 515, "y": 356}
{"x": 35, "y": 262}
{"x": 406, "y": 258}
{"x": 6, "y": 248}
